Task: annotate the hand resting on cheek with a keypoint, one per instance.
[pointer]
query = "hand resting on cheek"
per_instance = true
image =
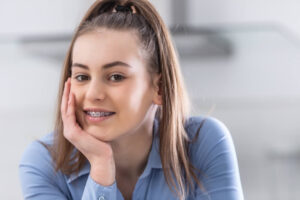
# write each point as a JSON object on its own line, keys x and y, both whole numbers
{"x": 98, "y": 153}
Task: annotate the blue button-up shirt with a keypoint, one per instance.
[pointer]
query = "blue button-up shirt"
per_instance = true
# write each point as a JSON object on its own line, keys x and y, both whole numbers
{"x": 213, "y": 153}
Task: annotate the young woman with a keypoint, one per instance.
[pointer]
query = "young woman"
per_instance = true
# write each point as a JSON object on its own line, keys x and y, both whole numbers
{"x": 122, "y": 127}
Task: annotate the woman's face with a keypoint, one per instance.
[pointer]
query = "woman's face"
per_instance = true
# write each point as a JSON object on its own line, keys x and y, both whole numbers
{"x": 112, "y": 87}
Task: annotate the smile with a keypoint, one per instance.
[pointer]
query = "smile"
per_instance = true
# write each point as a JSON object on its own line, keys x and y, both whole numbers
{"x": 96, "y": 116}
{"x": 99, "y": 114}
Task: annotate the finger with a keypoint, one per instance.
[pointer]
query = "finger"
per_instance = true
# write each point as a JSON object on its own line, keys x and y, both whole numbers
{"x": 71, "y": 109}
{"x": 72, "y": 130}
{"x": 65, "y": 97}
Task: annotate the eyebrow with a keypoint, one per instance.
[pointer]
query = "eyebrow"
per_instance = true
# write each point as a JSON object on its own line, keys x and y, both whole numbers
{"x": 106, "y": 66}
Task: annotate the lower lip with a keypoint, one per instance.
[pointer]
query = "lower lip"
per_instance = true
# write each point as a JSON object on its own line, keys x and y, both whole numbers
{"x": 97, "y": 119}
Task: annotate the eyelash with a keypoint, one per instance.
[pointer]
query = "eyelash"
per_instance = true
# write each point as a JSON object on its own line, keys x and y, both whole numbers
{"x": 77, "y": 77}
{"x": 87, "y": 78}
{"x": 117, "y": 75}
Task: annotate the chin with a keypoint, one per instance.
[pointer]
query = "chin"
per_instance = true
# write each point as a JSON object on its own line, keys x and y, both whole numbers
{"x": 99, "y": 133}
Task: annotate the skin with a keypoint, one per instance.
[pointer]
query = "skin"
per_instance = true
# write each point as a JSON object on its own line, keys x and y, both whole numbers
{"x": 117, "y": 148}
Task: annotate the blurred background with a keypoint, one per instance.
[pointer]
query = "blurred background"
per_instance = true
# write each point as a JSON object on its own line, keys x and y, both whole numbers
{"x": 241, "y": 64}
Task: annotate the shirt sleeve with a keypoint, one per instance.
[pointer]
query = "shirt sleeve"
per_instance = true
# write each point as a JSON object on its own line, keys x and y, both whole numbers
{"x": 214, "y": 154}
{"x": 96, "y": 191}
{"x": 39, "y": 180}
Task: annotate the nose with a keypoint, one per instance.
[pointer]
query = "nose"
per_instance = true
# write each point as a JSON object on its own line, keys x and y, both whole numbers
{"x": 95, "y": 90}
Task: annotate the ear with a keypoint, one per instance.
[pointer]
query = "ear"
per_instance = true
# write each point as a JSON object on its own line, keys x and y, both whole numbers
{"x": 157, "y": 81}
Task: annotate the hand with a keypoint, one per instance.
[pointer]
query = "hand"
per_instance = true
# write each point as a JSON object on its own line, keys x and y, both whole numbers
{"x": 98, "y": 153}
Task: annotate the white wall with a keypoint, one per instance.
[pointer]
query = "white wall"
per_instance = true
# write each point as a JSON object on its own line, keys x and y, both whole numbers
{"x": 56, "y": 16}
{"x": 229, "y": 12}
{"x": 33, "y": 17}
{"x": 18, "y": 17}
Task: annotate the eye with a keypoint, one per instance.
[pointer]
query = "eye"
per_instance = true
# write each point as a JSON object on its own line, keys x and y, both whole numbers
{"x": 81, "y": 78}
{"x": 116, "y": 77}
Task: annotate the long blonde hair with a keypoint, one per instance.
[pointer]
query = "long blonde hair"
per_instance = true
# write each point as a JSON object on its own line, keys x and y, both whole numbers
{"x": 161, "y": 56}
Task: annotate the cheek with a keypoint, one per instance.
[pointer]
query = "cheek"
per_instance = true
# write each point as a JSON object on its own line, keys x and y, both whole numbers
{"x": 134, "y": 97}
{"x": 78, "y": 93}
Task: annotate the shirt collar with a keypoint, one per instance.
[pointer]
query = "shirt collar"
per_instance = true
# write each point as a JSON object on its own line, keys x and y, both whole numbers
{"x": 85, "y": 170}
{"x": 154, "y": 160}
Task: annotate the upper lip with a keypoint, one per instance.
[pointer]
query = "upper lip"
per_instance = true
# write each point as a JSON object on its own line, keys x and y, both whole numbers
{"x": 96, "y": 110}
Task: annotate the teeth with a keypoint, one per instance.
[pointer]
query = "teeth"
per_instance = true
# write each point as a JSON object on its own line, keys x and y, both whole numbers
{"x": 99, "y": 114}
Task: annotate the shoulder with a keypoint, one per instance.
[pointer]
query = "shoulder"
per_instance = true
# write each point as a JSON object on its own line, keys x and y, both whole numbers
{"x": 206, "y": 127}
{"x": 37, "y": 163}
{"x": 37, "y": 153}
{"x": 37, "y": 173}
{"x": 213, "y": 153}
{"x": 209, "y": 138}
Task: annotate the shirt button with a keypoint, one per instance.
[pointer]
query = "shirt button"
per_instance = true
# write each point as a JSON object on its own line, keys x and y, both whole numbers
{"x": 101, "y": 198}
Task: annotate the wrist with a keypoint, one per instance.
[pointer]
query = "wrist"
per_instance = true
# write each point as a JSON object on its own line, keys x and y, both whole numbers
{"x": 104, "y": 173}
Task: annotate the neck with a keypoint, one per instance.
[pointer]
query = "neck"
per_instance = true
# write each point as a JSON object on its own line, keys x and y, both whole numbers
{"x": 131, "y": 151}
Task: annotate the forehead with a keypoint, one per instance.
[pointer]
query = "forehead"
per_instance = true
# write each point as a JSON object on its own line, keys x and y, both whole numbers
{"x": 106, "y": 45}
